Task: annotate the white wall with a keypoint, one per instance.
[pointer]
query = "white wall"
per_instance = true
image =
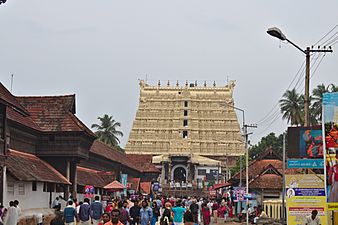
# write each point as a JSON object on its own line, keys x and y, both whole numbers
{"x": 30, "y": 199}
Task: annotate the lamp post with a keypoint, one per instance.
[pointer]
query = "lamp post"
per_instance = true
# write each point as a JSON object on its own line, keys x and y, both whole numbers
{"x": 277, "y": 33}
{"x": 246, "y": 135}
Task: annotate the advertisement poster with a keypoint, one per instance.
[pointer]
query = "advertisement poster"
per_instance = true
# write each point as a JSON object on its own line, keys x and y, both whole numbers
{"x": 305, "y": 142}
{"x": 304, "y": 193}
{"x": 330, "y": 132}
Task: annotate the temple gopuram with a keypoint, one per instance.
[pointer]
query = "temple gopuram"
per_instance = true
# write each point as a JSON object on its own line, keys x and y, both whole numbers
{"x": 191, "y": 131}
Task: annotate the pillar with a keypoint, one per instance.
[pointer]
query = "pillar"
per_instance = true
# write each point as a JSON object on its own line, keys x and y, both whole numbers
{"x": 66, "y": 193}
{"x": 73, "y": 177}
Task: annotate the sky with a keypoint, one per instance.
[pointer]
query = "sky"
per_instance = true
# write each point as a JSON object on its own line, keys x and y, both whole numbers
{"x": 99, "y": 49}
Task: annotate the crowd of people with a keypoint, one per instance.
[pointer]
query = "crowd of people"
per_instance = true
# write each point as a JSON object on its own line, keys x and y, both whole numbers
{"x": 158, "y": 211}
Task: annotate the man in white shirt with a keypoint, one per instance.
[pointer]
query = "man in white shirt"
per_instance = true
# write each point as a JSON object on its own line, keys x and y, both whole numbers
{"x": 313, "y": 219}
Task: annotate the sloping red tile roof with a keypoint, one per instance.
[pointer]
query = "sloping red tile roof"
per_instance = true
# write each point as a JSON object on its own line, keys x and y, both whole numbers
{"x": 10, "y": 100}
{"x": 54, "y": 113}
{"x": 145, "y": 187}
{"x": 19, "y": 118}
{"x": 144, "y": 162}
{"x": 257, "y": 166}
{"x": 267, "y": 181}
{"x": 110, "y": 153}
{"x": 86, "y": 176}
{"x": 28, "y": 167}
{"x": 114, "y": 185}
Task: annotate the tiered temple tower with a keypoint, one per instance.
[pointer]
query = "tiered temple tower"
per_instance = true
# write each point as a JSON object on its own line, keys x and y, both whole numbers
{"x": 187, "y": 125}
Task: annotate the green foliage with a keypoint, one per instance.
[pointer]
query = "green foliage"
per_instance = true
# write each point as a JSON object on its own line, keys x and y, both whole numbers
{"x": 292, "y": 105}
{"x": 107, "y": 131}
{"x": 271, "y": 140}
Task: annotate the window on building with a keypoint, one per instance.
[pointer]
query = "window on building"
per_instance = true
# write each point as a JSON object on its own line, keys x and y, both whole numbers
{"x": 185, "y": 123}
{"x": 185, "y": 113}
{"x": 201, "y": 172}
{"x": 21, "y": 189}
{"x": 10, "y": 188}
{"x": 185, "y": 103}
{"x": 185, "y": 134}
{"x": 34, "y": 186}
{"x": 44, "y": 187}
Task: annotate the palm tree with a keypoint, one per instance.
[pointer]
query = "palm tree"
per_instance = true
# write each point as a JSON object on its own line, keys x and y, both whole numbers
{"x": 291, "y": 105}
{"x": 107, "y": 130}
{"x": 317, "y": 98}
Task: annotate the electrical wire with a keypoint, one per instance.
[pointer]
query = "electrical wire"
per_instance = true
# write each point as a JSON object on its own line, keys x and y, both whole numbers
{"x": 326, "y": 34}
{"x": 333, "y": 40}
{"x": 329, "y": 39}
{"x": 270, "y": 113}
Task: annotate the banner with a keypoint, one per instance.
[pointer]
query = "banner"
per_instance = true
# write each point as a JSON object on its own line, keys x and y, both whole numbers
{"x": 124, "y": 180}
{"x": 304, "y": 193}
{"x": 330, "y": 132}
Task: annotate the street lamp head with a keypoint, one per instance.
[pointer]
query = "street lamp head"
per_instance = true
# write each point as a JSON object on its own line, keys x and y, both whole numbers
{"x": 275, "y": 32}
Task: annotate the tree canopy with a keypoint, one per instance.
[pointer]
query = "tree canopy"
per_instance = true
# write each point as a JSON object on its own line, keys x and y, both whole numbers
{"x": 107, "y": 132}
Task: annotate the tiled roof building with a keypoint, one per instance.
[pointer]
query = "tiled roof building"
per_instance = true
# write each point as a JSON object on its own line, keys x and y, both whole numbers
{"x": 47, "y": 151}
{"x": 265, "y": 175}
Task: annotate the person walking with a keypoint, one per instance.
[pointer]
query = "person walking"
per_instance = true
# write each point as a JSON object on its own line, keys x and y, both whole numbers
{"x": 178, "y": 211}
{"x": 206, "y": 214}
{"x": 84, "y": 212}
{"x": 166, "y": 218}
{"x": 70, "y": 214}
{"x": 124, "y": 215}
{"x": 146, "y": 214}
{"x": 134, "y": 213}
{"x": 156, "y": 212}
{"x": 194, "y": 210}
{"x": 96, "y": 210}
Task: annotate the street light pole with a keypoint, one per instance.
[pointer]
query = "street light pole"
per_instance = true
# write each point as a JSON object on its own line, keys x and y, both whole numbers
{"x": 246, "y": 136}
{"x": 275, "y": 32}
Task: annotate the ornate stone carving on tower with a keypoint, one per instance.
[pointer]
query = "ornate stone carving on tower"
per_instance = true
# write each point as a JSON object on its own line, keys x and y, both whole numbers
{"x": 190, "y": 121}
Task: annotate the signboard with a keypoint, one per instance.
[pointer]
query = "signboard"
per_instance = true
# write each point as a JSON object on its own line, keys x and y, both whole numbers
{"x": 89, "y": 191}
{"x": 305, "y": 163}
{"x": 239, "y": 193}
{"x": 330, "y": 132}
{"x": 305, "y": 142}
{"x": 124, "y": 178}
{"x": 304, "y": 193}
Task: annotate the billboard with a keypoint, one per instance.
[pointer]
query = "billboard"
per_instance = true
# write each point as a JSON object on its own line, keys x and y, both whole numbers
{"x": 330, "y": 132}
{"x": 304, "y": 193}
{"x": 305, "y": 142}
